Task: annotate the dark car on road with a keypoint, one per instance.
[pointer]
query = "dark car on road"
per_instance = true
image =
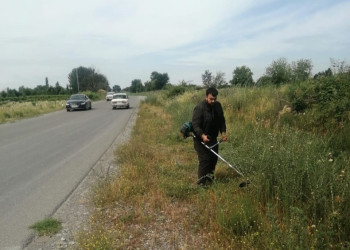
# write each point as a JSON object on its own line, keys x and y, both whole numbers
{"x": 78, "y": 101}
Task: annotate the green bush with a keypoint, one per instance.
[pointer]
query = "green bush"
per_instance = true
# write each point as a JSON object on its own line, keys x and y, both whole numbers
{"x": 175, "y": 91}
{"x": 95, "y": 96}
{"x": 326, "y": 98}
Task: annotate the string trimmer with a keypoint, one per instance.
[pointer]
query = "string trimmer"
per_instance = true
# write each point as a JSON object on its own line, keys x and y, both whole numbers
{"x": 187, "y": 131}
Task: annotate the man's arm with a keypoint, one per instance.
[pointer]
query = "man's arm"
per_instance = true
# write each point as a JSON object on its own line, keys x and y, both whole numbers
{"x": 197, "y": 120}
{"x": 222, "y": 124}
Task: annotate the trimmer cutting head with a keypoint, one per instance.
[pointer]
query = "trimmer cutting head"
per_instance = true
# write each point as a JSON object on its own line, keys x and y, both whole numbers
{"x": 244, "y": 184}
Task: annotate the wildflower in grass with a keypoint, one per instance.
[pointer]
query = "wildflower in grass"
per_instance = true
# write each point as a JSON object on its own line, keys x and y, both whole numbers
{"x": 338, "y": 199}
{"x": 330, "y": 157}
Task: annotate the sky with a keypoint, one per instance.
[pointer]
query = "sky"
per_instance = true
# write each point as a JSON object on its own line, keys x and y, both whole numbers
{"x": 129, "y": 39}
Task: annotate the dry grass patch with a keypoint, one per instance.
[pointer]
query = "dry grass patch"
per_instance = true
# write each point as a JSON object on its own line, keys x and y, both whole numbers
{"x": 12, "y": 111}
{"x": 146, "y": 205}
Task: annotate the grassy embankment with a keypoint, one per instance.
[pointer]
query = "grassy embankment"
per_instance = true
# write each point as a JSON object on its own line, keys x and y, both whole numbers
{"x": 297, "y": 162}
{"x": 15, "y": 110}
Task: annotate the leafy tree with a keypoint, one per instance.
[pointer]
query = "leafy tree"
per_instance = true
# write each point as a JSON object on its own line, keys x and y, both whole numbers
{"x": 326, "y": 73}
{"x": 301, "y": 70}
{"x": 242, "y": 76}
{"x": 279, "y": 71}
{"x": 84, "y": 79}
{"x": 219, "y": 80}
{"x": 339, "y": 66}
{"x": 116, "y": 88}
{"x": 159, "y": 80}
{"x": 187, "y": 84}
{"x": 184, "y": 83}
{"x": 264, "y": 80}
{"x": 41, "y": 90}
{"x": 97, "y": 81}
{"x": 25, "y": 91}
{"x": 58, "y": 89}
{"x": 12, "y": 92}
{"x": 149, "y": 86}
{"x": 136, "y": 86}
{"x": 207, "y": 79}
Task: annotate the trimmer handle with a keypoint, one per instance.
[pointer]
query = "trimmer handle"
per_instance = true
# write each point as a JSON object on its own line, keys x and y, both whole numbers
{"x": 216, "y": 143}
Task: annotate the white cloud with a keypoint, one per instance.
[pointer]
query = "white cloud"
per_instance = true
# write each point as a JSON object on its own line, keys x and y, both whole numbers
{"x": 127, "y": 39}
{"x": 281, "y": 35}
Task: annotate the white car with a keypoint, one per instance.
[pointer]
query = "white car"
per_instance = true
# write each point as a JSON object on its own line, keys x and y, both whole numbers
{"x": 109, "y": 96}
{"x": 120, "y": 100}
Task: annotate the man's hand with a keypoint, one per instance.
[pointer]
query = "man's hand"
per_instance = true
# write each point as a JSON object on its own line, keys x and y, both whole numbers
{"x": 205, "y": 138}
{"x": 223, "y": 137}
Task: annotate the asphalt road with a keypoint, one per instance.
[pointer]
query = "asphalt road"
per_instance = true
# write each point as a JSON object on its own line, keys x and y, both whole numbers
{"x": 43, "y": 159}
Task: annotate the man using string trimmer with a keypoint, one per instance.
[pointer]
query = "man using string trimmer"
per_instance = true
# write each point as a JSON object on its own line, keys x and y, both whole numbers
{"x": 207, "y": 121}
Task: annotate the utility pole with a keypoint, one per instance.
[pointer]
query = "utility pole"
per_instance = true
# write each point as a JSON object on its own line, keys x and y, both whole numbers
{"x": 76, "y": 73}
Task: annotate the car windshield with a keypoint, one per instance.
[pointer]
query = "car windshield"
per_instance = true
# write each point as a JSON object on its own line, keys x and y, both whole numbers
{"x": 77, "y": 97}
{"x": 119, "y": 97}
{"x": 110, "y": 93}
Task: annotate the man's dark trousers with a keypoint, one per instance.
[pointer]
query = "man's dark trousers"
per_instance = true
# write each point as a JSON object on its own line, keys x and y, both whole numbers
{"x": 207, "y": 162}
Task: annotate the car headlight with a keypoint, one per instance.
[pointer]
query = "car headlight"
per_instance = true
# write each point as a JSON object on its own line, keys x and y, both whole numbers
{"x": 83, "y": 103}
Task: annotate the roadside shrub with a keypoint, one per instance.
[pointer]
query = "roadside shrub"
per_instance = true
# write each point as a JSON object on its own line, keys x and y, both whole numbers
{"x": 326, "y": 98}
{"x": 301, "y": 95}
{"x": 334, "y": 97}
{"x": 153, "y": 100}
{"x": 95, "y": 96}
{"x": 174, "y": 91}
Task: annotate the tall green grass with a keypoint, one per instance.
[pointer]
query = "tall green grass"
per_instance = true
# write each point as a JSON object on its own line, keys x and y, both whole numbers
{"x": 294, "y": 170}
{"x": 299, "y": 173}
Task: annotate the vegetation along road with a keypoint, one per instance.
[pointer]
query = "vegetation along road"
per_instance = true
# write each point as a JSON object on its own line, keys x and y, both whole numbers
{"x": 43, "y": 159}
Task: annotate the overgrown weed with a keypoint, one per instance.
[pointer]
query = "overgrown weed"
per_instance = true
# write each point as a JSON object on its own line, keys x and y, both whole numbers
{"x": 48, "y": 226}
{"x": 298, "y": 196}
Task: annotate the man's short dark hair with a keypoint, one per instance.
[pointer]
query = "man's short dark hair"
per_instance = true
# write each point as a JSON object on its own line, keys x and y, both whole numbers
{"x": 212, "y": 91}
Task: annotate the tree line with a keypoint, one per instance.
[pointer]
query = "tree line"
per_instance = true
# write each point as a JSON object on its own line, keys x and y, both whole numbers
{"x": 279, "y": 72}
{"x": 80, "y": 79}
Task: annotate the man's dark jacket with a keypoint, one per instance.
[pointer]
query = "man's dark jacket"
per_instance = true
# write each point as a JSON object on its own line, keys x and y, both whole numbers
{"x": 208, "y": 120}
